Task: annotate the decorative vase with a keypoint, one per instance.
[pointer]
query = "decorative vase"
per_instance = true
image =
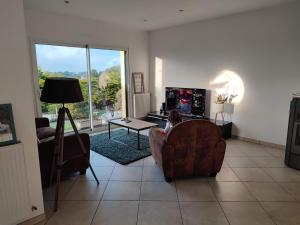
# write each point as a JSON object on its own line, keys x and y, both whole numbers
{"x": 218, "y": 108}
{"x": 228, "y": 108}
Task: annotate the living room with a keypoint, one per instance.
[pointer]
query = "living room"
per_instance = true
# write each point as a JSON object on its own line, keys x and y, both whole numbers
{"x": 248, "y": 50}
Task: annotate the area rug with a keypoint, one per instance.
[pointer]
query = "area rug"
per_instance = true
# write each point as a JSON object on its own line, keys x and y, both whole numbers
{"x": 122, "y": 147}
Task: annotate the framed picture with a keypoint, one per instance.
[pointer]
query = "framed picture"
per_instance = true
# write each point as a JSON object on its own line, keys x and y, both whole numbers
{"x": 138, "y": 82}
{"x": 7, "y": 126}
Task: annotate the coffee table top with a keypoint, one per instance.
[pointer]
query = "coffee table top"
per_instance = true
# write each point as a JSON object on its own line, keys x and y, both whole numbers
{"x": 135, "y": 124}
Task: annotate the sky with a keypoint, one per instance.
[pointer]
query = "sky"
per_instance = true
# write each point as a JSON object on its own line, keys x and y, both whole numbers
{"x": 61, "y": 58}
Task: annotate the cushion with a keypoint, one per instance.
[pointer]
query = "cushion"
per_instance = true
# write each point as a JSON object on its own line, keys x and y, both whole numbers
{"x": 45, "y": 132}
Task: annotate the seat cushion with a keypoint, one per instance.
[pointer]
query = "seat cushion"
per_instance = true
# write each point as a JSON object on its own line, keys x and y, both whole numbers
{"x": 45, "y": 132}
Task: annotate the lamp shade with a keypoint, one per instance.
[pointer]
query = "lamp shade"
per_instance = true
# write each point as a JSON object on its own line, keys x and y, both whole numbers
{"x": 61, "y": 90}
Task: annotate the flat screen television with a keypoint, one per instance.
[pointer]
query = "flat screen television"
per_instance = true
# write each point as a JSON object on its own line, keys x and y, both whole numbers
{"x": 186, "y": 100}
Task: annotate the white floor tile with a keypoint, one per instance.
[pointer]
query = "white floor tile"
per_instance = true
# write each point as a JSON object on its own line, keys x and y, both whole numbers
{"x": 246, "y": 213}
{"x": 283, "y": 213}
{"x": 86, "y": 190}
{"x": 268, "y": 191}
{"x": 158, "y": 191}
{"x": 202, "y": 213}
{"x": 127, "y": 174}
{"x": 252, "y": 174}
{"x": 159, "y": 213}
{"x": 232, "y": 191}
{"x": 122, "y": 190}
{"x": 74, "y": 213}
{"x": 194, "y": 190}
{"x": 116, "y": 213}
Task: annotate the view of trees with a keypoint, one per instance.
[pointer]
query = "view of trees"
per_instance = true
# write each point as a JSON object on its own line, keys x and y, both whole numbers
{"x": 106, "y": 86}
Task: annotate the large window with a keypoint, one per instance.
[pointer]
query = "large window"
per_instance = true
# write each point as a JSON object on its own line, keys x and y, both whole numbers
{"x": 101, "y": 74}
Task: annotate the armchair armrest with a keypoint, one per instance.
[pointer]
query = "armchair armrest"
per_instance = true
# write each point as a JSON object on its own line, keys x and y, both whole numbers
{"x": 157, "y": 135}
{"x": 42, "y": 122}
{"x": 162, "y": 152}
{"x": 71, "y": 145}
{"x": 157, "y": 140}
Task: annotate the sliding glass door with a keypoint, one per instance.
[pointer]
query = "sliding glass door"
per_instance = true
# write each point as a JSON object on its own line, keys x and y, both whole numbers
{"x": 108, "y": 85}
{"x": 62, "y": 61}
{"x": 101, "y": 73}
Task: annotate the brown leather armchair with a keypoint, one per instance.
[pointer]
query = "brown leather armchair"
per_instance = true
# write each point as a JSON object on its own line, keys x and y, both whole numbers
{"x": 191, "y": 148}
{"x": 46, "y": 144}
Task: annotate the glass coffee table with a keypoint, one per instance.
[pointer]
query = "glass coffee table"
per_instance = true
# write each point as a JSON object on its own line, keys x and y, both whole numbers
{"x": 131, "y": 124}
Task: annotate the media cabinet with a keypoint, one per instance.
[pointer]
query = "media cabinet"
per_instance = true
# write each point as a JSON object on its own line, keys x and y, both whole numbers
{"x": 161, "y": 119}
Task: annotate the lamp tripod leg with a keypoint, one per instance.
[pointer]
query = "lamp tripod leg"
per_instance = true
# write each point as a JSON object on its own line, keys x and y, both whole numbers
{"x": 59, "y": 152}
{"x": 56, "y": 148}
{"x": 81, "y": 143}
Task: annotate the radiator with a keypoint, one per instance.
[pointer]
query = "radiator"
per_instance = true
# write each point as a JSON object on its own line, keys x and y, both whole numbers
{"x": 141, "y": 105}
{"x": 14, "y": 196}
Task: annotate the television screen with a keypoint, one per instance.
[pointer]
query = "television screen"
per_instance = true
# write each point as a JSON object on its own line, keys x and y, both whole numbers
{"x": 186, "y": 100}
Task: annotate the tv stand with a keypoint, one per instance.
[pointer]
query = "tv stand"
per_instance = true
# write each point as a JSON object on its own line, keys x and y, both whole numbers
{"x": 161, "y": 119}
{"x": 159, "y": 115}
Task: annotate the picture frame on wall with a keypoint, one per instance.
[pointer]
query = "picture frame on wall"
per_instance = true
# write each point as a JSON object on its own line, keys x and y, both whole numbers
{"x": 138, "y": 82}
{"x": 7, "y": 126}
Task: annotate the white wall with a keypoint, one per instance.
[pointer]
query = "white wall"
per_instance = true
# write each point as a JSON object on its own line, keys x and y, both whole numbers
{"x": 262, "y": 47}
{"x": 54, "y": 28}
{"x": 15, "y": 88}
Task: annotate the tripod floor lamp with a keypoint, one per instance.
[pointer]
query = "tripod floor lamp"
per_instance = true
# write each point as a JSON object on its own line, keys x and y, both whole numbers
{"x": 62, "y": 91}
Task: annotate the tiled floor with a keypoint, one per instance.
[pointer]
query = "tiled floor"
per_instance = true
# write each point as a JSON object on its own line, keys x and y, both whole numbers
{"x": 253, "y": 187}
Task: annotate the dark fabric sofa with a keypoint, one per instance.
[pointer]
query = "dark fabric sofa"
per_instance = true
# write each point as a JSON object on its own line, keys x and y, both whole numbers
{"x": 191, "y": 148}
{"x": 46, "y": 144}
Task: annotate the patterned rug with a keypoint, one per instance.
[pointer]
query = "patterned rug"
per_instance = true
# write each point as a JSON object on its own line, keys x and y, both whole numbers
{"x": 122, "y": 147}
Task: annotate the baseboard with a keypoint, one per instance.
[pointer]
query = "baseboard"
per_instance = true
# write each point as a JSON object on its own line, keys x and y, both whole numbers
{"x": 34, "y": 220}
{"x": 264, "y": 143}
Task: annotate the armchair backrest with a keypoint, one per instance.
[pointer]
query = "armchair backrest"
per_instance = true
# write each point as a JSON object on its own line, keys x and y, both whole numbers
{"x": 194, "y": 134}
{"x": 191, "y": 148}
{"x": 41, "y": 122}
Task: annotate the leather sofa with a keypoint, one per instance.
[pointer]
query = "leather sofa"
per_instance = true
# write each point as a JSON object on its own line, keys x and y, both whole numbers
{"x": 46, "y": 142}
{"x": 191, "y": 148}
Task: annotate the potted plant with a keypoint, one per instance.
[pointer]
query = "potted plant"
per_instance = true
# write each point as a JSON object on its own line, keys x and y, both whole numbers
{"x": 223, "y": 104}
{"x": 219, "y": 103}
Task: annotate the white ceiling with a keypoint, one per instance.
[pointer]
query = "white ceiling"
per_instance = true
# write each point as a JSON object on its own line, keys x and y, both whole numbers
{"x": 157, "y": 13}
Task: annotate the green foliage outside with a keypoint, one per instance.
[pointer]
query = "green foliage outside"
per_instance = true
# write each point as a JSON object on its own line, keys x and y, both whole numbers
{"x": 68, "y": 126}
{"x": 105, "y": 86}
